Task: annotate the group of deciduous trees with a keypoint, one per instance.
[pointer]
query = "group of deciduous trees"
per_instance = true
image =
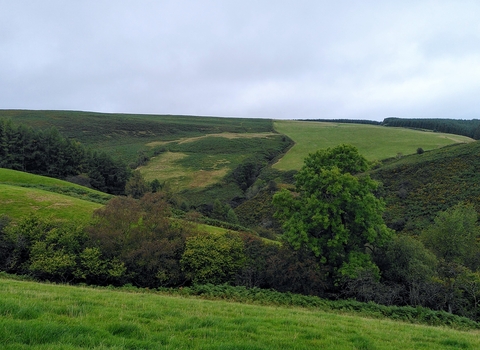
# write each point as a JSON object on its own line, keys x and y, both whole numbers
{"x": 139, "y": 242}
{"x": 333, "y": 213}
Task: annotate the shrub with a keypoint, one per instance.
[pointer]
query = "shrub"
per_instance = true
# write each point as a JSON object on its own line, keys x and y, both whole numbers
{"x": 141, "y": 235}
{"x": 213, "y": 258}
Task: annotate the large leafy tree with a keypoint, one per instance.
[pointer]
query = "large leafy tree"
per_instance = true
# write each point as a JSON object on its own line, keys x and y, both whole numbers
{"x": 334, "y": 212}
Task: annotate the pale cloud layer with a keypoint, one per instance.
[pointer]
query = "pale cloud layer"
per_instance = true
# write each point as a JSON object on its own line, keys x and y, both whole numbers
{"x": 272, "y": 59}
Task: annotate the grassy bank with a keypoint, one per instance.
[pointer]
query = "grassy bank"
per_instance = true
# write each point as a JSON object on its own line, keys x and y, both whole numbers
{"x": 417, "y": 187}
{"x": 22, "y": 194}
{"x": 40, "y": 316}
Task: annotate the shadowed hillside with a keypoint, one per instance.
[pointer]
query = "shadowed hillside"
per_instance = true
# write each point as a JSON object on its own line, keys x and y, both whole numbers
{"x": 417, "y": 187}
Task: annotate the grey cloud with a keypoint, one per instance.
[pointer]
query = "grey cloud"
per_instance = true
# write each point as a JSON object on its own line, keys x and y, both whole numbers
{"x": 282, "y": 59}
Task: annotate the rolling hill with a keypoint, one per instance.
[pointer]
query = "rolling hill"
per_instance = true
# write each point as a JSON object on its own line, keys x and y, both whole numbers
{"x": 373, "y": 141}
{"x": 208, "y": 158}
{"x": 125, "y": 135}
{"x": 22, "y": 193}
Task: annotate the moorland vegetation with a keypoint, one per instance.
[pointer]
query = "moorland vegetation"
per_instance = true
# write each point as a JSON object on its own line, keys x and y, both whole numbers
{"x": 341, "y": 227}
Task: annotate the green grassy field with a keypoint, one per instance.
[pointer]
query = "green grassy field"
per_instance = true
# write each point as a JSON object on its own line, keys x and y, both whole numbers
{"x": 20, "y": 178}
{"x": 17, "y": 202}
{"x": 22, "y": 193}
{"x": 42, "y": 316}
{"x": 374, "y": 142}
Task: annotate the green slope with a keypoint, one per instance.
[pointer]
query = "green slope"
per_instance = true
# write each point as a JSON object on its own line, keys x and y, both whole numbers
{"x": 22, "y": 193}
{"x": 39, "y": 316}
{"x": 374, "y": 142}
{"x": 124, "y": 135}
{"x": 192, "y": 154}
{"x": 417, "y": 187}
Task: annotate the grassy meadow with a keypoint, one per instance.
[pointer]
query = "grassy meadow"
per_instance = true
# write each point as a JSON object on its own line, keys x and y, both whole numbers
{"x": 43, "y": 316}
{"x": 22, "y": 193}
{"x": 18, "y": 202}
{"x": 374, "y": 142}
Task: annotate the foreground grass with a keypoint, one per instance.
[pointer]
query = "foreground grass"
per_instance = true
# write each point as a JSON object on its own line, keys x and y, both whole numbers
{"x": 374, "y": 142}
{"x": 40, "y": 316}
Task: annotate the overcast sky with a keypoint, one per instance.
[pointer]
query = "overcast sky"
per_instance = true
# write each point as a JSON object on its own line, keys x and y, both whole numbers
{"x": 366, "y": 59}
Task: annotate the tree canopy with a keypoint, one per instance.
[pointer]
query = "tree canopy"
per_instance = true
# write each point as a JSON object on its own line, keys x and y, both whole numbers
{"x": 334, "y": 212}
{"x": 454, "y": 235}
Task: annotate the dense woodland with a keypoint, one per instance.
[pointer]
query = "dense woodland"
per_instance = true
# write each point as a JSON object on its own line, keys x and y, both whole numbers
{"x": 346, "y": 121}
{"x": 49, "y": 153}
{"x": 470, "y": 128}
{"x": 327, "y": 232}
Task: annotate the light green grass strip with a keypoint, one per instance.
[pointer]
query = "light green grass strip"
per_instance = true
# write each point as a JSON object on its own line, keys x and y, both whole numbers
{"x": 373, "y": 142}
{"x": 17, "y": 202}
{"x": 19, "y": 177}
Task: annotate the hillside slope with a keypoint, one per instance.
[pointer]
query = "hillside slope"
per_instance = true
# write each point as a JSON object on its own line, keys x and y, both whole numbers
{"x": 22, "y": 193}
{"x": 205, "y": 158}
{"x": 417, "y": 187}
{"x": 124, "y": 135}
{"x": 374, "y": 142}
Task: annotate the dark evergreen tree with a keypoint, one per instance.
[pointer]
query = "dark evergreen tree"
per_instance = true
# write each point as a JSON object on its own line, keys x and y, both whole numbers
{"x": 48, "y": 153}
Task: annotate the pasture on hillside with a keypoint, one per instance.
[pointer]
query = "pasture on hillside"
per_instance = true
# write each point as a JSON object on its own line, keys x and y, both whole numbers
{"x": 192, "y": 154}
{"x": 18, "y": 202}
{"x": 22, "y": 194}
{"x": 373, "y": 142}
{"x": 41, "y": 316}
